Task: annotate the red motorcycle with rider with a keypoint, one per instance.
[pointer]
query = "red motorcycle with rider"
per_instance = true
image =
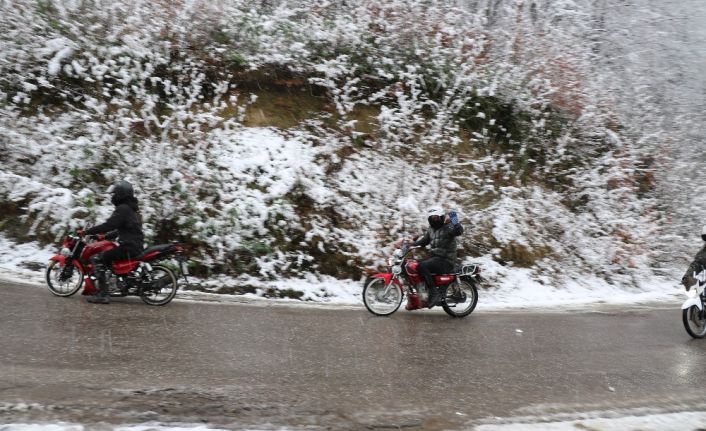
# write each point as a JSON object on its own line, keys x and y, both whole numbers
{"x": 430, "y": 282}
{"x": 118, "y": 268}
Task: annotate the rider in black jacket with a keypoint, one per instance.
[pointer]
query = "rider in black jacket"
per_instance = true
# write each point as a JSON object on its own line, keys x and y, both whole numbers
{"x": 127, "y": 224}
{"x": 441, "y": 237}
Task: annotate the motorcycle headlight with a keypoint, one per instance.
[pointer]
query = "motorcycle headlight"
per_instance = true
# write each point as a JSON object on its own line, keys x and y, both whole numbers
{"x": 65, "y": 252}
{"x": 396, "y": 269}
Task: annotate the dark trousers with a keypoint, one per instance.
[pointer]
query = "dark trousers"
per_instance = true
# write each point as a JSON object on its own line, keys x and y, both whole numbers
{"x": 103, "y": 261}
{"x": 120, "y": 252}
{"x": 434, "y": 266}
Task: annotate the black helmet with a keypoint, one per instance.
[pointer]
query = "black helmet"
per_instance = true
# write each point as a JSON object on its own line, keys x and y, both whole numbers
{"x": 121, "y": 190}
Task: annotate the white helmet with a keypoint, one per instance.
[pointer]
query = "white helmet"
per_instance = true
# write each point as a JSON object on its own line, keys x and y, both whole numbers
{"x": 435, "y": 216}
{"x": 439, "y": 211}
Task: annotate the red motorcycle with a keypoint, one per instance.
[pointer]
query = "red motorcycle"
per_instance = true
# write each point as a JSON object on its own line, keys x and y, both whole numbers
{"x": 155, "y": 284}
{"x": 383, "y": 293}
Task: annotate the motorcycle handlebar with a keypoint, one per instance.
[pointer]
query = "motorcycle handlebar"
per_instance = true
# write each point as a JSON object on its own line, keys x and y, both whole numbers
{"x": 407, "y": 249}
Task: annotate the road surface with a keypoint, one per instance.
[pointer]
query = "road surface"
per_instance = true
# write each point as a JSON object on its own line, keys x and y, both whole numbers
{"x": 267, "y": 367}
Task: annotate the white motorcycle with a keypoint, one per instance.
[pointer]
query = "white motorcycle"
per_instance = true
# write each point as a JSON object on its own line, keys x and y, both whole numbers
{"x": 693, "y": 313}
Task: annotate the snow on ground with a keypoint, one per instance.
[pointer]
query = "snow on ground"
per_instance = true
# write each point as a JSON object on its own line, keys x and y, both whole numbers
{"x": 506, "y": 287}
{"x": 62, "y": 426}
{"x": 651, "y": 422}
{"x": 23, "y": 262}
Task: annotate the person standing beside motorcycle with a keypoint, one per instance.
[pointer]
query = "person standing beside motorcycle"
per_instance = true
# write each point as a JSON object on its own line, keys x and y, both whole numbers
{"x": 697, "y": 265}
{"x": 441, "y": 237}
{"x": 127, "y": 223}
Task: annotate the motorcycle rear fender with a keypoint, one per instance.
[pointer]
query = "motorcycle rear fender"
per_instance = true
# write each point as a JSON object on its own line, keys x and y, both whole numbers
{"x": 470, "y": 279}
{"x": 691, "y": 302}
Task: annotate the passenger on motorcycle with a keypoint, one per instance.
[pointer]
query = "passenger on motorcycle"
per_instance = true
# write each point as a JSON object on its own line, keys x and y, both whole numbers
{"x": 126, "y": 222}
{"x": 441, "y": 238}
{"x": 697, "y": 265}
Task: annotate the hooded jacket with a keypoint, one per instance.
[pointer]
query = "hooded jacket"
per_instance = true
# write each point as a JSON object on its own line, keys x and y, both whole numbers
{"x": 442, "y": 241}
{"x": 126, "y": 221}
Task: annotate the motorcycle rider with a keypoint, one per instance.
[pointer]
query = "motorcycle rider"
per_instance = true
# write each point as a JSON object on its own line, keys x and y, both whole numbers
{"x": 697, "y": 265}
{"x": 127, "y": 222}
{"x": 441, "y": 237}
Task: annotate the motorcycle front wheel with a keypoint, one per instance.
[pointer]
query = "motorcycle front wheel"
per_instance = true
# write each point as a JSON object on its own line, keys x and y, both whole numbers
{"x": 381, "y": 299}
{"x": 63, "y": 283}
{"x": 162, "y": 288}
{"x": 461, "y": 299}
{"x": 694, "y": 322}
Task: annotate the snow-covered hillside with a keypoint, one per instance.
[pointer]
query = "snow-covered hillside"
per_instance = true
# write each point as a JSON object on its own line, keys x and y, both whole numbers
{"x": 281, "y": 139}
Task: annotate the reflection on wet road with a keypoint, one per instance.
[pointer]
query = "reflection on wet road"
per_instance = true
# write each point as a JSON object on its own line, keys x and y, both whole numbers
{"x": 246, "y": 366}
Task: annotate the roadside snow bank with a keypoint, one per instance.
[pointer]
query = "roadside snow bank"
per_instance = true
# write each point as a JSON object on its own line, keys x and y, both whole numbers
{"x": 510, "y": 287}
{"x": 23, "y": 262}
{"x": 505, "y": 287}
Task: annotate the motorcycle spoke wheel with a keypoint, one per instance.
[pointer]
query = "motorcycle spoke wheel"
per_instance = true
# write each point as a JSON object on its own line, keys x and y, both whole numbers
{"x": 163, "y": 286}
{"x": 694, "y": 322}
{"x": 379, "y": 299}
{"x": 461, "y": 299}
{"x": 62, "y": 286}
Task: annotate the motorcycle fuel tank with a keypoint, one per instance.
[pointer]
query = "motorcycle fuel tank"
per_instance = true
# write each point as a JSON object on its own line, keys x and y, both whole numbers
{"x": 96, "y": 247}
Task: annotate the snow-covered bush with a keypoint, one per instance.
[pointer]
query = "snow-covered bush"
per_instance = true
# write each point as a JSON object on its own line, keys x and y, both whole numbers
{"x": 494, "y": 111}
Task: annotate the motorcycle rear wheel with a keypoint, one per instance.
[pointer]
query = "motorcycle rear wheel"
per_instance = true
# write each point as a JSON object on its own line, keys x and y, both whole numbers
{"x": 461, "y": 299}
{"x": 63, "y": 288}
{"x": 378, "y": 301}
{"x": 694, "y": 324}
{"x": 163, "y": 294}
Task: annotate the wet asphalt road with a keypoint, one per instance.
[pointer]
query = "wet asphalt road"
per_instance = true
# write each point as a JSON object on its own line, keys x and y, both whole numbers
{"x": 265, "y": 367}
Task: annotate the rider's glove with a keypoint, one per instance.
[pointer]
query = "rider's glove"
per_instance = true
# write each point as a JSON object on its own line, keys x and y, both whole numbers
{"x": 453, "y": 217}
{"x": 687, "y": 282}
{"x": 405, "y": 249}
{"x": 80, "y": 232}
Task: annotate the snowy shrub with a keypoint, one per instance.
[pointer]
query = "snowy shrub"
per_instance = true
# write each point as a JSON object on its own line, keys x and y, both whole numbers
{"x": 493, "y": 110}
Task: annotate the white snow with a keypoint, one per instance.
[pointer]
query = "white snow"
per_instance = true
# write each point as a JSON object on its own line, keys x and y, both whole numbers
{"x": 508, "y": 288}
{"x": 63, "y": 426}
{"x": 648, "y": 422}
{"x": 596, "y": 421}
{"x": 249, "y": 191}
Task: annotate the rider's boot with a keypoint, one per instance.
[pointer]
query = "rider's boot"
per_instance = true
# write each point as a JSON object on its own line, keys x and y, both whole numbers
{"x": 433, "y": 296}
{"x": 102, "y": 297}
